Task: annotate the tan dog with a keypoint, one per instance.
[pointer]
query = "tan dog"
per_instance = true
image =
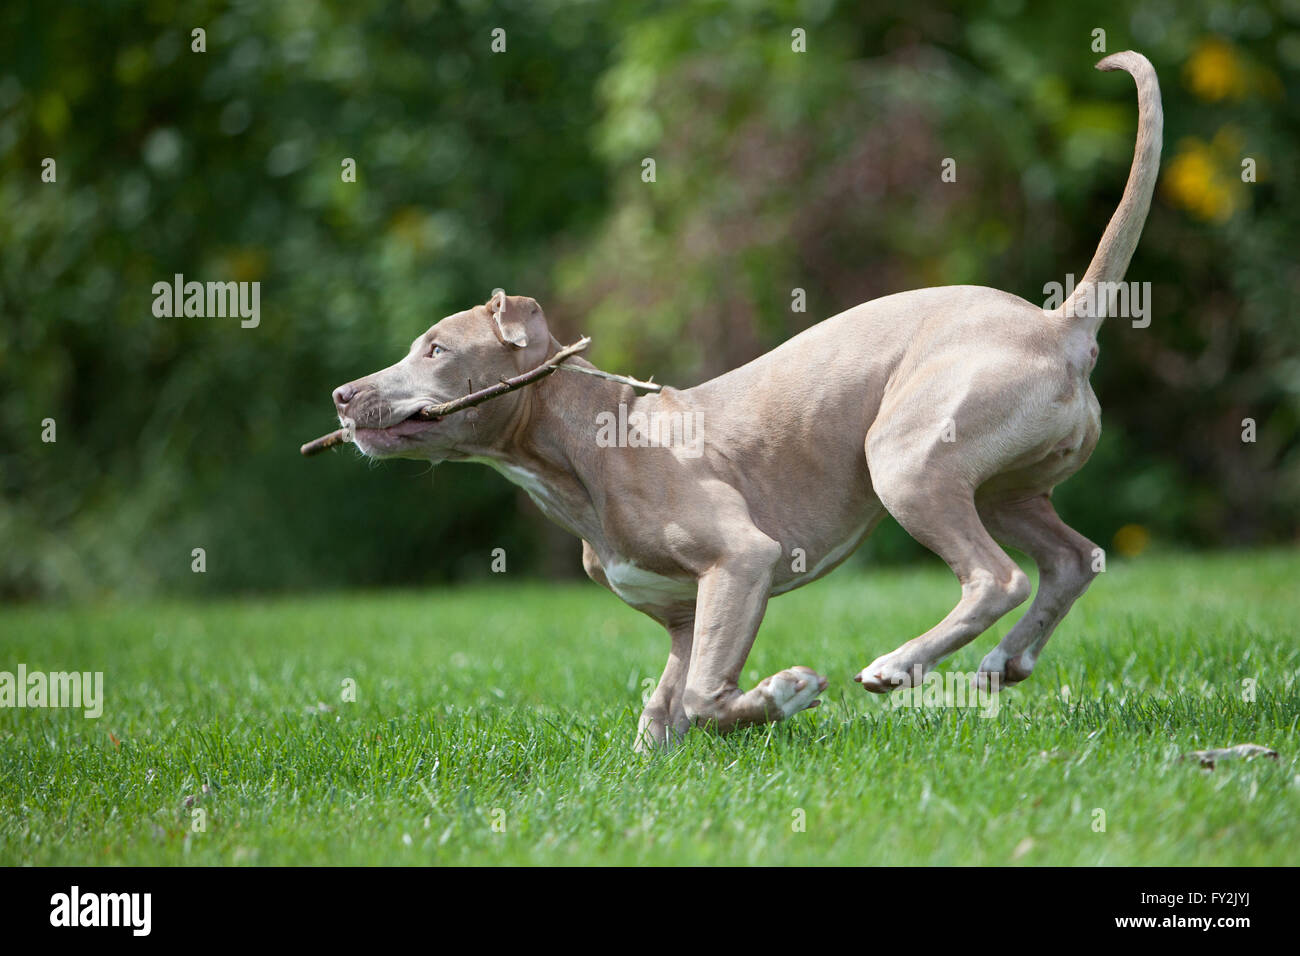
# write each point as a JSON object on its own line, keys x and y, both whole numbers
{"x": 955, "y": 409}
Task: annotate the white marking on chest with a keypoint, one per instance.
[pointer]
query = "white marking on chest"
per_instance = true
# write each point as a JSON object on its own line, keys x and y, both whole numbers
{"x": 636, "y": 585}
{"x": 530, "y": 481}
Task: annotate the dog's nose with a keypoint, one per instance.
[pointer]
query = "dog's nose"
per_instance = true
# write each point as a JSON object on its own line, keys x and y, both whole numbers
{"x": 344, "y": 394}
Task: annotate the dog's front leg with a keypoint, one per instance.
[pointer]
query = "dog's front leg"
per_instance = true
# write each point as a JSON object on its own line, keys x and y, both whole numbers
{"x": 730, "y": 604}
{"x": 664, "y": 719}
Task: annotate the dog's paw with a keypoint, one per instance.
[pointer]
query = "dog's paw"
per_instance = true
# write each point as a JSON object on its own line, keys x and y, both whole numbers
{"x": 656, "y": 732}
{"x": 889, "y": 673}
{"x": 997, "y": 671}
{"x": 792, "y": 690}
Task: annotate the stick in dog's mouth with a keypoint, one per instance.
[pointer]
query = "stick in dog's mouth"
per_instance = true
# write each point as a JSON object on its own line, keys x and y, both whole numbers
{"x": 431, "y": 413}
{"x": 318, "y": 445}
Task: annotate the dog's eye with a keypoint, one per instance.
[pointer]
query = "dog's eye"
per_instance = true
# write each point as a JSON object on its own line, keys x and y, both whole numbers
{"x": 436, "y": 350}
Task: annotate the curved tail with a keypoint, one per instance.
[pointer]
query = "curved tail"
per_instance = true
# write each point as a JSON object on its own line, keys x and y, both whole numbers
{"x": 1109, "y": 263}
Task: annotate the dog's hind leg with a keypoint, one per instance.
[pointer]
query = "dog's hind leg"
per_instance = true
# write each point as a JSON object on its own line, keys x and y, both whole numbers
{"x": 1066, "y": 567}
{"x": 942, "y": 516}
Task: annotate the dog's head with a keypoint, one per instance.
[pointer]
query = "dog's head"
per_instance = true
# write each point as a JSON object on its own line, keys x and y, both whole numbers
{"x": 460, "y": 354}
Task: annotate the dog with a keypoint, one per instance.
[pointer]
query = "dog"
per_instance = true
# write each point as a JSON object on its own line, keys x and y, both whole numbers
{"x": 955, "y": 409}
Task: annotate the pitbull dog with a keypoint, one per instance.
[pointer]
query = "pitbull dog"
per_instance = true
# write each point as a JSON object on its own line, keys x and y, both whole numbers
{"x": 956, "y": 409}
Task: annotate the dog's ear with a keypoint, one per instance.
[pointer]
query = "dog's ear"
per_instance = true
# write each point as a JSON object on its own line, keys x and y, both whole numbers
{"x": 511, "y": 323}
{"x": 520, "y": 323}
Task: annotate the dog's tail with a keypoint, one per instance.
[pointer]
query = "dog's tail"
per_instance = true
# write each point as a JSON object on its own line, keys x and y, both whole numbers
{"x": 1119, "y": 240}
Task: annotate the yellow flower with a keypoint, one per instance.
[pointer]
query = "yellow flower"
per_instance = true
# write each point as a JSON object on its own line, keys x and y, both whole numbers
{"x": 1131, "y": 540}
{"x": 1215, "y": 72}
{"x": 409, "y": 226}
{"x": 247, "y": 264}
{"x": 1199, "y": 178}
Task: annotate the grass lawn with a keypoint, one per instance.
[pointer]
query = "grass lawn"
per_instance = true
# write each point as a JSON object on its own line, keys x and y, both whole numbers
{"x": 492, "y": 725}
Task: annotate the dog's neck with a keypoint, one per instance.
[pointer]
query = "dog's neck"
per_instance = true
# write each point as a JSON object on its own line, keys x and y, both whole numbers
{"x": 549, "y": 448}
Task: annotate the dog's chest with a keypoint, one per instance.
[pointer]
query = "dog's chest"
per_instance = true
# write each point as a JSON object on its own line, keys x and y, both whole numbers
{"x": 640, "y": 587}
{"x": 529, "y": 481}
{"x": 550, "y": 501}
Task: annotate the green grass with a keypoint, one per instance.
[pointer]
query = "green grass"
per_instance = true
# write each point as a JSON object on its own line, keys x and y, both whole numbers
{"x": 523, "y": 698}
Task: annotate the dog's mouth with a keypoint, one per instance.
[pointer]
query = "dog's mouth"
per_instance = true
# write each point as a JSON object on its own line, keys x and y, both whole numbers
{"x": 409, "y": 427}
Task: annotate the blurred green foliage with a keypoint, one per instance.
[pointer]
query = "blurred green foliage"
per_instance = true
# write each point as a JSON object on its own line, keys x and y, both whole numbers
{"x": 775, "y": 170}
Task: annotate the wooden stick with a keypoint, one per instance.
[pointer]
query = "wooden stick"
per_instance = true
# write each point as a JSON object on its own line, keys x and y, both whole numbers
{"x": 621, "y": 379}
{"x": 429, "y": 412}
